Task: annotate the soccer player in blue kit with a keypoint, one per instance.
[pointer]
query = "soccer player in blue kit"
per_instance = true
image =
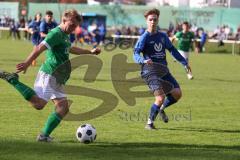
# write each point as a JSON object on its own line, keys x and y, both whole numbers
{"x": 47, "y": 24}
{"x": 34, "y": 29}
{"x": 152, "y": 44}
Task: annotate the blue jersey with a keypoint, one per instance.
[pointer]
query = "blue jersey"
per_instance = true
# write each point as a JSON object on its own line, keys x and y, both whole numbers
{"x": 46, "y": 27}
{"x": 153, "y": 47}
{"x": 35, "y": 26}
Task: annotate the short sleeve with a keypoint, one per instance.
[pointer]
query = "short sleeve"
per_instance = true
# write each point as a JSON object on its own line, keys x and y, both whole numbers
{"x": 51, "y": 40}
{"x": 42, "y": 26}
{"x": 178, "y": 34}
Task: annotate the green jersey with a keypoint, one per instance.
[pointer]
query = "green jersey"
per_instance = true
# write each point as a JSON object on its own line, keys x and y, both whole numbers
{"x": 185, "y": 40}
{"x": 57, "y": 56}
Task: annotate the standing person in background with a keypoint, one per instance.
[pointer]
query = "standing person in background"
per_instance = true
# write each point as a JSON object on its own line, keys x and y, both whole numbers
{"x": 203, "y": 38}
{"x": 34, "y": 29}
{"x": 102, "y": 33}
{"x": 22, "y": 22}
{"x": 237, "y": 37}
{"x": 185, "y": 43}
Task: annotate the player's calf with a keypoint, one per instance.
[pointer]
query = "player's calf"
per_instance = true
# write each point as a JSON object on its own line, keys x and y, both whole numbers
{"x": 163, "y": 116}
{"x": 38, "y": 103}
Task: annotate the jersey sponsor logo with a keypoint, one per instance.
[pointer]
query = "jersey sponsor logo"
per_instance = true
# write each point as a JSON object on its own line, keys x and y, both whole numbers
{"x": 151, "y": 42}
{"x": 158, "y": 55}
{"x": 158, "y": 47}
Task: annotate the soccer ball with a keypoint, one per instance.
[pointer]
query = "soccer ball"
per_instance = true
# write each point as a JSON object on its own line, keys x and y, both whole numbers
{"x": 86, "y": 133}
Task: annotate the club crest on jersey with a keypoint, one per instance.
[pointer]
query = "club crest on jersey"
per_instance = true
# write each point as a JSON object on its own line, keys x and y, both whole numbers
{"x": 158, "y": 47}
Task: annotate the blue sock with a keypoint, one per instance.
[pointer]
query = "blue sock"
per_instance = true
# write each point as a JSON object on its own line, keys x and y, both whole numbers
{"x": 169, "y": 100}
{"x": 154, "y": 112}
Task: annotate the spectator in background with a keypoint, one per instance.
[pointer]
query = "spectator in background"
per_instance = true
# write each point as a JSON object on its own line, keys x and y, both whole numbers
{"x": 79, "y": 35}
{"x": 86, "y": 36}
{"x": 92, "y": 31}
{"x": 221, "y": 36}
{"x": 14, "y": 29}
{"x": 17, "y": 32}
{"x": 23, "y": 25}
{"x": 102, "y": 33}
{"x": 128, "y": 31}
{"x": 95, "y": 36}
{"x": 135, "y": 31}
{"x": 171, "y": 28}
{"x": 141, "y": 30}
{"x": 117, "y": 33}
{"x": 227, "y": 31}
{"x": 203, "y": 38}
{"x": 238, "y": 34}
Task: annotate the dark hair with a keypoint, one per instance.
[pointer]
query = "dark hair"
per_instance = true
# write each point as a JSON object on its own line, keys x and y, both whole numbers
{"x": 35, "y": 17}
{"x": 48, "y": 12}
{"x": 152, "y": 11}
{"x": 186, "y": 23}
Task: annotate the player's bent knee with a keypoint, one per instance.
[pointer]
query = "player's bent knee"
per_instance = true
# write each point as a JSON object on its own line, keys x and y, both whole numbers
{"x": 177, "y": 94}
{"x": 38, "y": 106}
{"x": 62, "y": 110}
{"x": 159, "y": 100}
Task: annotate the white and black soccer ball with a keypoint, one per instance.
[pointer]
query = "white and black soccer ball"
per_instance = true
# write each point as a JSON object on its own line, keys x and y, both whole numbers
{"x": 86, "y": 133}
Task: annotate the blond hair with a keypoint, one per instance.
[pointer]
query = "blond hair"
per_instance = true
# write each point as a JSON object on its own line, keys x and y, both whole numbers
{"x": 72, "y": 14}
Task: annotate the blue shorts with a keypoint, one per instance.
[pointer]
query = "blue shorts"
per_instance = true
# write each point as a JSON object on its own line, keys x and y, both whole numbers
{"x": 160, "y": 80}
{"x": 35, "y": 42}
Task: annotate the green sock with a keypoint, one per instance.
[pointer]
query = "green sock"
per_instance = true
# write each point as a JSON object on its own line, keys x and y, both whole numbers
{"x": 23, "y": 89}
{"x": 53, "y": 121}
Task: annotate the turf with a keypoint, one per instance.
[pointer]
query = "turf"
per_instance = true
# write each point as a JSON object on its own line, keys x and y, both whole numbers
{"x": 204, "y": 124}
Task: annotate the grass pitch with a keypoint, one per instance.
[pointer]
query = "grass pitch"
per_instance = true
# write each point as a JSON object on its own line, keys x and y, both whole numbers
{"x": 204, "y": 124}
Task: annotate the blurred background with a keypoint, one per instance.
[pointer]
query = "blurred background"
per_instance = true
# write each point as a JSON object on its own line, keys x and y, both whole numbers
{"x": 216, "y": 20}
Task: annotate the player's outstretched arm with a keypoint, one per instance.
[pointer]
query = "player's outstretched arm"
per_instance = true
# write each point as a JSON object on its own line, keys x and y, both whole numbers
{"x": 79, "y": 51}
{"x": 33, "y": 55}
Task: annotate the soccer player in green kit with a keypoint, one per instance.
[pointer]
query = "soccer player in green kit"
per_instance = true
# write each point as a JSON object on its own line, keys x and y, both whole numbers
{"x": 185, "y": 40}
{"x": 48, "y": 86}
